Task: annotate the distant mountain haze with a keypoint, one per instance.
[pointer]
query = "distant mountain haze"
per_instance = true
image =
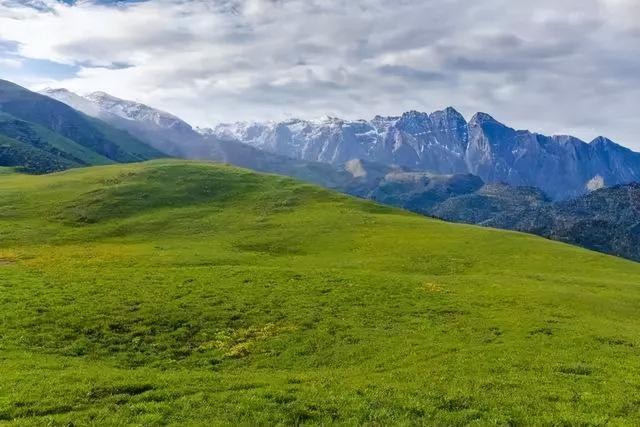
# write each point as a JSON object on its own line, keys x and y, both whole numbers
{"x": 175, "y": 137}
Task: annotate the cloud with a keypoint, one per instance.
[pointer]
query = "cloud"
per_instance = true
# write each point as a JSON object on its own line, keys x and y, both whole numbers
{"x": 10, "y": 63}
{"x": 410, "y": 73}
{"x": 554, "y": 67}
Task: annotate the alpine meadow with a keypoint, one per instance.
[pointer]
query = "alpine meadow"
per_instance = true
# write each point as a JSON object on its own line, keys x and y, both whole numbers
{"x": 172, "y": 292}
{"x": 319, "y": 213}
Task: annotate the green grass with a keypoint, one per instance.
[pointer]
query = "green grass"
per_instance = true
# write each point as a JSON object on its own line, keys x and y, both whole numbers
{"x": 55, "y": 146}
{"x": 29, "y": 159}
{"x": 5, "y": 170}
{"x": 173, "y": 292}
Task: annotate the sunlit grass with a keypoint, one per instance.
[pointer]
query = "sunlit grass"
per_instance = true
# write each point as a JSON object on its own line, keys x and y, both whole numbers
{"x": 190, "y": 293}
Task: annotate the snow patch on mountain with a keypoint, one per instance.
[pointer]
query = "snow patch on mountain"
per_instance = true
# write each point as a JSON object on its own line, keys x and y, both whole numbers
{"x": 73, "y": 100}
{"x": 131, "y": 110}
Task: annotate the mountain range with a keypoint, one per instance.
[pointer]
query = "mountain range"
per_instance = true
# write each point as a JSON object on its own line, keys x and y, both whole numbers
{"x": 443, "y": 142}
{"x": 175, "y": 137}
{"x": 162, "y": 130}
{"x": 479, "y": 172}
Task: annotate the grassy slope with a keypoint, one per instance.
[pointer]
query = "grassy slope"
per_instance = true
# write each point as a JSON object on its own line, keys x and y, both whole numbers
{"x": 93, "y": 134}
{"x": 6, "y": 170}
{"x": 27, "y": 158}
{"x": 176, "y": 292}
{"x": 55, "y": 146}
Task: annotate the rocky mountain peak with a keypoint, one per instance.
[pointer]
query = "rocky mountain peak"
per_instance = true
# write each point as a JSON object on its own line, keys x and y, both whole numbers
{"x": 448, "y": 113}
{"x": 441, "y": 142}
{"x": 444, "y": 143}
{"x": 50, "y": 90}
{"x": 481, "y": 118}
{"x": 99, "y": 95}
{"x": 414, "y": 122}
{"x": 602, "y": 141}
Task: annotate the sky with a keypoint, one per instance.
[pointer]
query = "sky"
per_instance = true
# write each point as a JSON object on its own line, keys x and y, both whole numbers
{"x": 555, "y": 67}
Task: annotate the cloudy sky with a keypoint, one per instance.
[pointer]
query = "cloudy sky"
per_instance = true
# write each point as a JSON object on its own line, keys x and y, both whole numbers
{"x": 553, "y": 66}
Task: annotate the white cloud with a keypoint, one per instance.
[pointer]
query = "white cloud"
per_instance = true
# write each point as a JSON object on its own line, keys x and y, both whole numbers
{"x": 555, "y": 67}
{"x": 10, "y": 63}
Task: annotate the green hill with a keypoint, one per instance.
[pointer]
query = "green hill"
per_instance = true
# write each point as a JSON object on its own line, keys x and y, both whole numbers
{"x": 26, "y": 158}
{"x": 36, "y": 149}
{"x": 175, "y": 292}
{"x": 58, "y": 136}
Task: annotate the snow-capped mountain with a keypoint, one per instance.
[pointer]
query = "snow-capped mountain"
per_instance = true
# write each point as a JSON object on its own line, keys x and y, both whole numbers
{"x": 443, "y": 142}
{"x": 136, "y": 111}
{"x": 101, "y": 103}
{"x": 433, "y": 142}
{"x": 160, "y": 129}
{"x": 175, "y": 137}
{"x": 73, "y": 100}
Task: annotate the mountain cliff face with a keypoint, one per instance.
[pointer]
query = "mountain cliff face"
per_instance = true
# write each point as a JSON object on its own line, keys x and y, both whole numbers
{"x": 562, "y": 166}
{"x": 435, "y": 142}
{"x": 443, "y": 142}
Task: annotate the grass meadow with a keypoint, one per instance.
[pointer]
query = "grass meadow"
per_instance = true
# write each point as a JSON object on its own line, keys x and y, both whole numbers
{"x": 175, "y": 292}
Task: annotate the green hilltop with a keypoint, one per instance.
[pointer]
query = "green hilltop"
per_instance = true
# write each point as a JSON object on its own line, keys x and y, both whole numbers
{"x": 175, "y": 292}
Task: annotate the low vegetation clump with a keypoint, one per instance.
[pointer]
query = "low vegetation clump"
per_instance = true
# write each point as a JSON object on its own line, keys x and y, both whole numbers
{"x": 175, "y": 292}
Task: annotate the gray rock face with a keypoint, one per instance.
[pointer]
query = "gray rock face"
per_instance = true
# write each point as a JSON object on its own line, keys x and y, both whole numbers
{"x": 444, "y": 143}
{"x": 562, "y": 166}
{"x": 434, "y": 143}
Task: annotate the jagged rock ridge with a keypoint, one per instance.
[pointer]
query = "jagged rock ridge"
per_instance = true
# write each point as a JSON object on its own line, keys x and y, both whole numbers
{"x": 443, "y": 142}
